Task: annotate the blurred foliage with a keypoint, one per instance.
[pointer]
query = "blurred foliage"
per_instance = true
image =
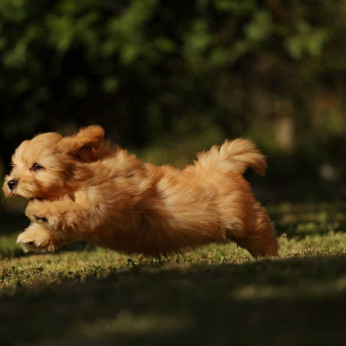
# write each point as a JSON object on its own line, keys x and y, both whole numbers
{"x": 160, "y": 74}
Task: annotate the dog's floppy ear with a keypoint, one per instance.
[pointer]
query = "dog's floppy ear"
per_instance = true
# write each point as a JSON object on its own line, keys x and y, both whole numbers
{"x": 82, "y": 145}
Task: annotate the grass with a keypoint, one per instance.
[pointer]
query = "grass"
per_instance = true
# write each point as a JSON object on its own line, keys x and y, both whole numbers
{"x": 217, "y": 295}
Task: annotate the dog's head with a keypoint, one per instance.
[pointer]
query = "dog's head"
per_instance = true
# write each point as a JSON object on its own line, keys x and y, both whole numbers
{"x": 50, "y": 165}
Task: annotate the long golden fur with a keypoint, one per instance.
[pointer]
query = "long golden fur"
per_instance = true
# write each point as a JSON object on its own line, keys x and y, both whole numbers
{"x": 79, "y": 187}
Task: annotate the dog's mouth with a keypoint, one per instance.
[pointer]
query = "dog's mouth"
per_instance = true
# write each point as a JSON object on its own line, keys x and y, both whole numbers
{"x": 20, "y": 192}
{"x": 13, "y": 193}
{"x": 31, "y": 197}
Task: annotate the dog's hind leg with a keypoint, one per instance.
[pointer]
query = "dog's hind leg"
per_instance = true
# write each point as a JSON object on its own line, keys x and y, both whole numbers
{"x": 258, "y": 237}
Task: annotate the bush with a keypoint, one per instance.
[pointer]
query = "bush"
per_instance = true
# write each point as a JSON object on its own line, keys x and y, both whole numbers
{"x": 148, "y": 69}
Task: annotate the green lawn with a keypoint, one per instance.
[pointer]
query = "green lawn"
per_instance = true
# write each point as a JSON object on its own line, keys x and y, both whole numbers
{"x": 217, "y": 295}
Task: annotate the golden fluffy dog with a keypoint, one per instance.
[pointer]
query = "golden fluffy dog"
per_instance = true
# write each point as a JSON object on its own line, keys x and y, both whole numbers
{"x": 79, "y": 187}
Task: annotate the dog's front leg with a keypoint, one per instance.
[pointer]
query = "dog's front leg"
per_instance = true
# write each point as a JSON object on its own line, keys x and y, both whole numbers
{"x": 61, "y": 214}
{"x": 37, "y": 238}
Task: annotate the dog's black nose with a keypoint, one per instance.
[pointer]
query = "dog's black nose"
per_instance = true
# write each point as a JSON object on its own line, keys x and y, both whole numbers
{"x": 12, "y": 183}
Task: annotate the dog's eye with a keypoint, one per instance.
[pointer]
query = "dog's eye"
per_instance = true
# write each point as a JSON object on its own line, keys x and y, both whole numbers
{"x": 36, "y": 167}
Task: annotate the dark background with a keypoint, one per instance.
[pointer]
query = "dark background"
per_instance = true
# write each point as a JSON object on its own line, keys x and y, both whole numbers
{"x": 169, "y": 78}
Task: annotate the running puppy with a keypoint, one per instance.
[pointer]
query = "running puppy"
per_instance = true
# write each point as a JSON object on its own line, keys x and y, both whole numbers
{"x": 80, "y": 187}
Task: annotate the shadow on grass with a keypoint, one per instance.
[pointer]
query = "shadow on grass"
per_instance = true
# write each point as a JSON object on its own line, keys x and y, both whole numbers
{"x": 282, "y": 302}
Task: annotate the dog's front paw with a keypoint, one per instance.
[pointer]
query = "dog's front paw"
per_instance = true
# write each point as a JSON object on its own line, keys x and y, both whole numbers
{"x": 38, "y": 212}
{"x": 35, "y": 238}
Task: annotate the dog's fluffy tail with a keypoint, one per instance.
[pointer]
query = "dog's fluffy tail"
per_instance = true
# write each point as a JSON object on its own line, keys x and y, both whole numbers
{"x": 235, "y": 156}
